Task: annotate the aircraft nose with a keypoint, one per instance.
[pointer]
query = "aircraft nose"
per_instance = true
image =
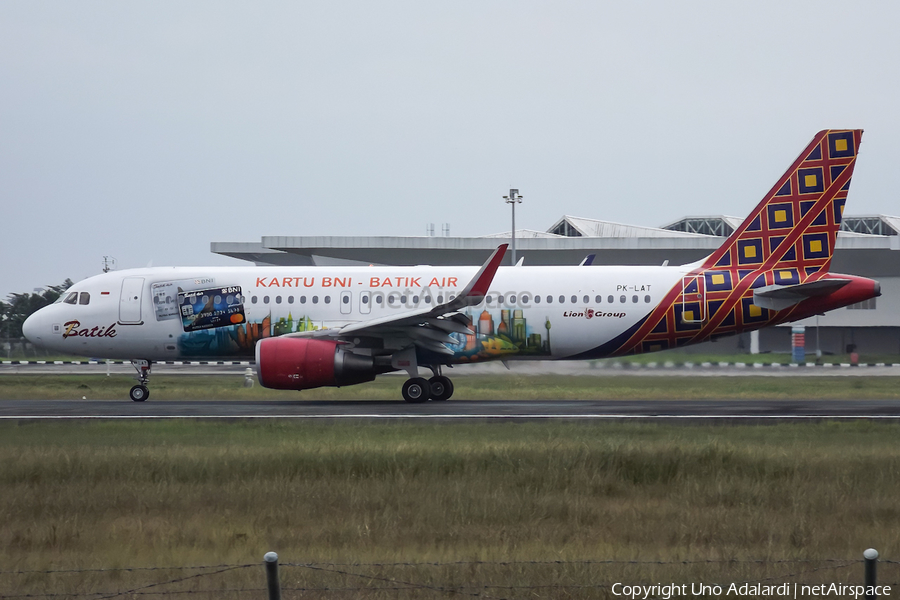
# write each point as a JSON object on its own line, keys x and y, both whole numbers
{"x": 31, "y": 329}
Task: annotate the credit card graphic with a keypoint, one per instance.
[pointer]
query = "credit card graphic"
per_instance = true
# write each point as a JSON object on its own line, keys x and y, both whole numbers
{"x": 210, "y": 308}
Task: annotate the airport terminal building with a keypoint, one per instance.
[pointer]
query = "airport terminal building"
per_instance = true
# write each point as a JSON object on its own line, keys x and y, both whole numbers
{"x": 867, "y": 245}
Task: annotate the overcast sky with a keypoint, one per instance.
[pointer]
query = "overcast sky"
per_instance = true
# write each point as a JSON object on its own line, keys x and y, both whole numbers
{"x": 147, "y": 130}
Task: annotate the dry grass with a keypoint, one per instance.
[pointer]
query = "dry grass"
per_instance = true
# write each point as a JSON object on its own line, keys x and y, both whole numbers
{"x": 86, "y": 495}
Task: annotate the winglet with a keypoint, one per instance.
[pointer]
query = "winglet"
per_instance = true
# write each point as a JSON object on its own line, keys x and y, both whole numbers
{"x": 588, "y": 260}
{"x": 477, "y": 289}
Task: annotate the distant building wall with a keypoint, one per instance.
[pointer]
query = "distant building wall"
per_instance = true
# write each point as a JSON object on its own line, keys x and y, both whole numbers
{"x": 835, "y": 340}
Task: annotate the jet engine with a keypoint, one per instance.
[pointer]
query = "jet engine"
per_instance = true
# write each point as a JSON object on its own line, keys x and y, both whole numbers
{"x": 290, "y": 363}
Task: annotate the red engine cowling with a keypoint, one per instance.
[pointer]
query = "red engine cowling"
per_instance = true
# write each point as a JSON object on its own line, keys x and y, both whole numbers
{"x": 285, "y": 363}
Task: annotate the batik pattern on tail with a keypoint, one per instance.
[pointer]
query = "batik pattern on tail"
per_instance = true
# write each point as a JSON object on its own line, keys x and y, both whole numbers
{"x": 789, "y": 238}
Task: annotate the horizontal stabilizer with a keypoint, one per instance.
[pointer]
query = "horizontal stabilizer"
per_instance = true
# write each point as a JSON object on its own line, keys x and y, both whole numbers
{"x": 779, "y": 297}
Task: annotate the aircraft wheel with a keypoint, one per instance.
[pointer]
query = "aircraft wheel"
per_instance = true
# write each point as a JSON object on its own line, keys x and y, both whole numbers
{"x": 441, "y": 388}
{"x": 139, "y": 393}
{"x": 416, "y": 390}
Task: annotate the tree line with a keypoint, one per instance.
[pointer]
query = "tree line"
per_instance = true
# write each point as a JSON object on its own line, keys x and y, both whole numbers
{"x": 19, "y": 307}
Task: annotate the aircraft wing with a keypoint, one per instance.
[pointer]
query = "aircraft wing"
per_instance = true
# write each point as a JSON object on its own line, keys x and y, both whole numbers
{"x": 778, "y": 297}
{"x": 427, "y": 327}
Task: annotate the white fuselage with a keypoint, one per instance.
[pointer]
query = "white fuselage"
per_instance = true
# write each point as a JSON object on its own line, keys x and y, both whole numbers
{"x": 529, "y": 313}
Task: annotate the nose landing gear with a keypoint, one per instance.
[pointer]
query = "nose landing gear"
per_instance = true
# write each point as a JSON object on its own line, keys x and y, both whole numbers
{"x": 141, "y": 392}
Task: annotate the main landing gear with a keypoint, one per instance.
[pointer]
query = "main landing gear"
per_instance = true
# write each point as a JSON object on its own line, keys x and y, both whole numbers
{"x": 419, "y": 389}
{"x": 141, "y": 392}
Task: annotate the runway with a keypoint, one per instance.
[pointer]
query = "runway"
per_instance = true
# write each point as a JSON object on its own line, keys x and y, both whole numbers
{"x": 526, "y": 368}
{"x": 760, "y": 410}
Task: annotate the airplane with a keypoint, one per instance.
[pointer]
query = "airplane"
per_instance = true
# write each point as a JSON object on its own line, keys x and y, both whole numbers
{"x": 309, "y": 327}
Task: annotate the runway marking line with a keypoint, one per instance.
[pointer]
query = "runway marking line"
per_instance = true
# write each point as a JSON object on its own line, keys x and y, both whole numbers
{"x": 420, "y": 416}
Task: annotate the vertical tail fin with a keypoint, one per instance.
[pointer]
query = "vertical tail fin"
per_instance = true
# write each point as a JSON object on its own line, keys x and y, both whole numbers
{"x": 795, "y": 226}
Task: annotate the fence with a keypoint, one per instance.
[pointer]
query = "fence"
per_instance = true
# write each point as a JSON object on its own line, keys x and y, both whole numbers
{"x": 793, "y": 578}
{"x": 21, "y": 349}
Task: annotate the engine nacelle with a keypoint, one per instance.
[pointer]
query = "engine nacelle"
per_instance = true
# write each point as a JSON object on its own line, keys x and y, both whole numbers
{"x": 286, "y": 363}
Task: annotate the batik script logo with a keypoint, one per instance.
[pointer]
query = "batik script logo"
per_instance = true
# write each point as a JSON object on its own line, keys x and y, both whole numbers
{"x": 97, "y": 331}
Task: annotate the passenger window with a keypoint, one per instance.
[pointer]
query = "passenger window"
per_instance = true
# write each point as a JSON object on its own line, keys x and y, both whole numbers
{"x": 315, "y": 299}
{"x": 265, "y": 300}
{"x": 647, "y": 299}
{"x": 252, "y": 300}
{"x": 427, "y": 299}
{"x": 549, "y": 299}
{"x": 537, "y": 299}
{"x": 346, "y": 300}
{"x": 512, "y": 299}
{"x": 610, "y": 299}
{"x": 71, "y": 298}
{"x": 489, "y": 299}
{"x": 634, "y": 299}
{"x": 302, "y": 300}
{"x": 440, "y": 299}
{"x": 598, "y": 299}
{"x": 290, "y": 299}
{"x": 277, "y": 299}
{"x": 379, "y": 299}
{"x": 562, "y": 299}
{"x": 622, "y": 299}
{"x": 587, "y": 299}
{"x": 574, "y": 298}
{"x": 415, "y": 299}
{"x": 85, "y": 298}
{"x": 327, "y": 299}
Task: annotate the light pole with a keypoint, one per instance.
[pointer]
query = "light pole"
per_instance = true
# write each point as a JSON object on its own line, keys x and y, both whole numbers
{"x": 513, "y": 198}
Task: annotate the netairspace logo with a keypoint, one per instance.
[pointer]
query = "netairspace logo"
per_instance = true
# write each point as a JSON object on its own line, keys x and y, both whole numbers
{"x": 787, "y": 590}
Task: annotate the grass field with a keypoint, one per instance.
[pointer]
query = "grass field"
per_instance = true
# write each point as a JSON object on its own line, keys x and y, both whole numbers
{"x": 469, "y": 387}
{"x": 112, "y": 494}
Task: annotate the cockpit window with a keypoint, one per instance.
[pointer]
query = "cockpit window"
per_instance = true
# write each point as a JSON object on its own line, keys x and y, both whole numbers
{"x": 72, "y": 298}
{"x": 84, "y": 298}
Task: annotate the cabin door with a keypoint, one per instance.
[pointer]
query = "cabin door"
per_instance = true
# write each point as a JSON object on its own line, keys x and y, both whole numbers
{"x": 693, "y": 299}
{"x": 130, "y": 301}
